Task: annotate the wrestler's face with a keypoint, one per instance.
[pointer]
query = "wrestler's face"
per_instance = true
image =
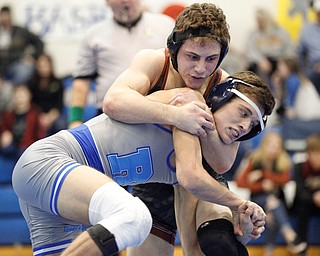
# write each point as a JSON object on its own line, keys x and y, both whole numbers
{"x": 235, "y": 119}
{"x": 197, "y": 59}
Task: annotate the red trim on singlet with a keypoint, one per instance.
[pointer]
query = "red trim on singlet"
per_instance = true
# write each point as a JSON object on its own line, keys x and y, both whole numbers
{"x": 161, "y": 82}
{"x": 215, "y": 80}
{"x": 163, "y": 231}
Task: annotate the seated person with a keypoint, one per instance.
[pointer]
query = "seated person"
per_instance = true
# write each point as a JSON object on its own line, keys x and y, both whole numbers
{"x": 20, "y": 126}
{"x": 266, "y": 171}
{"x": 307, "y": 177}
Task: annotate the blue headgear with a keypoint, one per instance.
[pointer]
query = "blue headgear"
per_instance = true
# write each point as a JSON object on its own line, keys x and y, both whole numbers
{"x": 223, "y": 92}
{"x": 177, "y": 38}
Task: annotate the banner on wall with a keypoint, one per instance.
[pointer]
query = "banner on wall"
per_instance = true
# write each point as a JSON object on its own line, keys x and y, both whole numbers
{"x": 59, "y": 19}
{"x": 292, "y": 14}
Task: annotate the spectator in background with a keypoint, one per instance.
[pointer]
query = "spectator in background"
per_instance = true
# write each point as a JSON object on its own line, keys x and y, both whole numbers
{"x": 297, "y": 96}
{"x": 267, "y": 171}
{"x": 6, "y": 90}
{"x": 109, "y": 47}
{"x": 307, "y": 177}
{"x": 309, "y": 48}
{"x": 266, "y": 44}
{"x": 18, "y": 49}
{"x": 47, "y": 93}
{"x": 20, "y": 127}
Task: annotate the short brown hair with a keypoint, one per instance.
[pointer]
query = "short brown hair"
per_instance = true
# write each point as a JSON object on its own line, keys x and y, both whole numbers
{"x": 205, "y": 15}
{"x": 260, "y": 91}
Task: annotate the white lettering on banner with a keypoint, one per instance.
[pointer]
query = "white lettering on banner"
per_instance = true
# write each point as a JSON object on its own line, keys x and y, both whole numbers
{"x": 57, "y": 21}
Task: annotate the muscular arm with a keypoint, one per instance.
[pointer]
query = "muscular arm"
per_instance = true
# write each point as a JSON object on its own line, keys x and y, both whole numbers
{"x": 193, "y": 177}
{"x": 79, "y": 94}
{"x": 219, "y": 155}
{"x": 126, "y": 101}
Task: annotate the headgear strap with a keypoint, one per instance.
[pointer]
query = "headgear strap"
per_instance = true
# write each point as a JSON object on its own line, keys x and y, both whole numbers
{"x": 176, "y": 39}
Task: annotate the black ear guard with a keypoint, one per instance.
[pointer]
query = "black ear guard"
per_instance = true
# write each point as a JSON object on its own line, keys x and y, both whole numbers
{"x": 176, "y": 39}
{"x": 223, "y": 92}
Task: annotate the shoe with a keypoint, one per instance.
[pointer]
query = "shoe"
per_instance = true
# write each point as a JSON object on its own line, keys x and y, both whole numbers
{"x": 298, "y": 247}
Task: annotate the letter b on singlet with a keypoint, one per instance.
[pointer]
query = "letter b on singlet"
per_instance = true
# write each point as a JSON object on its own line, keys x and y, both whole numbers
{"x": 135, "y": 167}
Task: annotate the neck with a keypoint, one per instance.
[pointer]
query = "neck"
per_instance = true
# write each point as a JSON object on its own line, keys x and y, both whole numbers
{"x": 130, "y": 24}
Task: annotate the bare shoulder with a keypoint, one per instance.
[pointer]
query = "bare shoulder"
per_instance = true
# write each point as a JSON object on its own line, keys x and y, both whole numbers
{"x": 224, "y": 74}
{"x": 150, "y": 61}
{"x": 151, "y": 55}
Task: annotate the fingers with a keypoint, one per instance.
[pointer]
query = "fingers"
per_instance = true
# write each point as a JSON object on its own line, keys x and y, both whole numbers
{"x": 252, "y": 216}
{"x": 259, "y": 223}
{"x": 257, "y": 231}
{"x": 238, "y": 231}
{"x": 206, "y": 115}
{"x": 257, "y": 213}
{"x": 186, "y": 95}
{"x": 195, "y": 118}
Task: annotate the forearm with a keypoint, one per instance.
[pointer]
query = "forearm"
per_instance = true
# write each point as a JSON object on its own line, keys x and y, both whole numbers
{"x": 194, "y": 178}
{"x": 79, "y": 94}
{"x": 210, "y": 190}
{"x": 138, "y": 109}
{"x": 219, "y": 155}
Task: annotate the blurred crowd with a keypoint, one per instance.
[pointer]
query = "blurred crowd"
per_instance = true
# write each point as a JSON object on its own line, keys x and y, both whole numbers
{"x": 32, "y": 106}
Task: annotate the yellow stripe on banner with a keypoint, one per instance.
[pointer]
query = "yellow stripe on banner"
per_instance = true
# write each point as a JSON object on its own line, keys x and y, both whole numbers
{"x": 290, "y": 16}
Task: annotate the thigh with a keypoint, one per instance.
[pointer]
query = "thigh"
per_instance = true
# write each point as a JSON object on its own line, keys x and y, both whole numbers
{"x": 209, "y": 211}
{"x": 54, "y": 192}
{"x": 186, "y": 208}
{"x": 154, "y": 246}
{"x": 76, "y": 192}
{"x": 48, "y": 230}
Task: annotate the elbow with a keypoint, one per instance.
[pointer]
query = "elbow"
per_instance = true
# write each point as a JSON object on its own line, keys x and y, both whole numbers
{"x": 109, "y": 106}
{"x": 188, "y": 179}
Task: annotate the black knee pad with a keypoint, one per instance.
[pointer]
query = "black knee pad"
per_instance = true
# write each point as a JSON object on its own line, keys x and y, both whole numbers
{"x": 103, "y": 239}
{"x": 216, "y": 237}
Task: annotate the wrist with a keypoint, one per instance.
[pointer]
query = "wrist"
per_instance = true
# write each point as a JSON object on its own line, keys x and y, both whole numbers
{"x": 234, "y": 207}
{"x": 171, "y": 115}
{"x": 75, "y": 114}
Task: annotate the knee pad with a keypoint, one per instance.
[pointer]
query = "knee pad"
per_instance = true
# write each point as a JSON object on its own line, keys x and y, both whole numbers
{"x": 216, "y": 237}
{"x": 125, "y": 216}
{"x": 103, "y": 239}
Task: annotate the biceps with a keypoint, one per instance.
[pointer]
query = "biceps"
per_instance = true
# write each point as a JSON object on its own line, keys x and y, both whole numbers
{"x": 134, "y": 80}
